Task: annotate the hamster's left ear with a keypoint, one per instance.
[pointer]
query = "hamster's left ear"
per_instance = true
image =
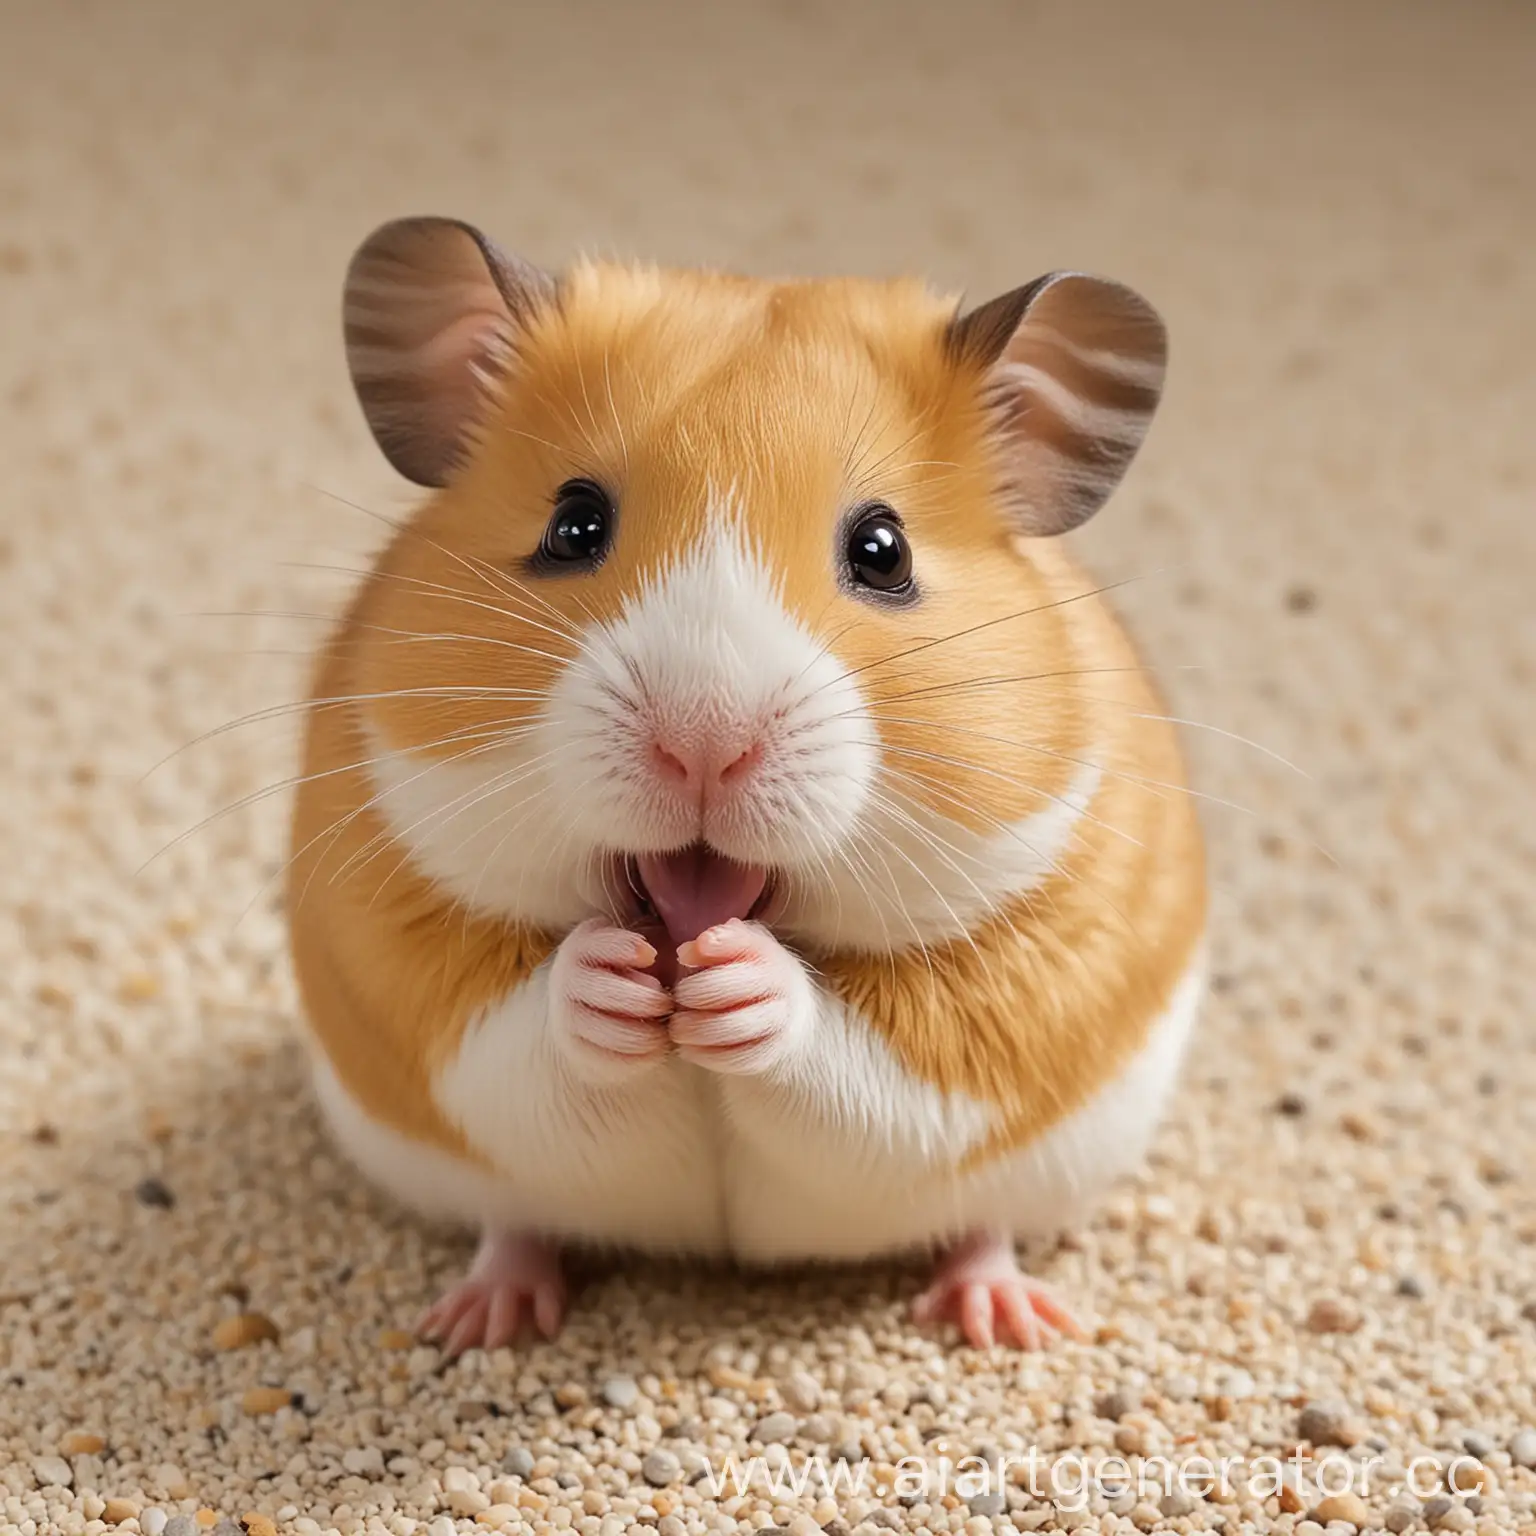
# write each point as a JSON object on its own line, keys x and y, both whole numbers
{"x": 431, "y": 311}
{"x": 1073, "y": 367}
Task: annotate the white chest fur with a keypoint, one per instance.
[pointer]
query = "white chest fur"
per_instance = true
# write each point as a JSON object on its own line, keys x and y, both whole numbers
{"x": 839, "y": 1155}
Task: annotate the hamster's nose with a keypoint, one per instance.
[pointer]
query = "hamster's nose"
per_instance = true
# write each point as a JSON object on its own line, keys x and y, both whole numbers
{"x": 706, "y": 766}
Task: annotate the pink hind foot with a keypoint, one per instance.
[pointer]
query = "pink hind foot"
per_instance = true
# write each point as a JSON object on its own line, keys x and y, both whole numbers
{"x": 515, "y": 1279}
{"x": 980, "y": 1285}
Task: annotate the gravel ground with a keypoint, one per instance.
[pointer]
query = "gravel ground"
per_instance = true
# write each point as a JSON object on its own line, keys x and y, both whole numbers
{"x": 1333, "y": 1252}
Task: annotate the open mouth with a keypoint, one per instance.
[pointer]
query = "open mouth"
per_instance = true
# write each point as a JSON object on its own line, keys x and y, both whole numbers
{"x": 676, "y": 896}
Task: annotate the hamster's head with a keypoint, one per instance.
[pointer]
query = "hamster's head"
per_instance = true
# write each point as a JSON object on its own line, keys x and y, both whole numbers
{"x": 733, "y": 597}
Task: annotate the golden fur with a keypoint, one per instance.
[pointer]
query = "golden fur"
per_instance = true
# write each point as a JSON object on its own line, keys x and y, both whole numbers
{"x": 694, "y": 397}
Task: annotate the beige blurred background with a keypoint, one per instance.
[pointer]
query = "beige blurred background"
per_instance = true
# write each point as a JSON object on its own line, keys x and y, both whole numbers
{"x": 1333, "y": 534}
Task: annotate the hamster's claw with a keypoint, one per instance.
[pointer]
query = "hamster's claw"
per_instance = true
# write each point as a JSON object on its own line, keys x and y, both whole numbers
{"x": 515, "y": 1279}
{"x": 981, "y": 1286}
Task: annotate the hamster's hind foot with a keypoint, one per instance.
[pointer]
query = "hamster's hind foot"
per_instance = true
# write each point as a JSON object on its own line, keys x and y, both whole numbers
{"x": 980, "y": 1285}
{"x": 514, "y": 1279}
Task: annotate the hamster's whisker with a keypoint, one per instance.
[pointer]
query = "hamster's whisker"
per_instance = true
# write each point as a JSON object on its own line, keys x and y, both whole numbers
{"x": 971, "y": 766}
{"x": 439, "y": 816}
{"x": 255, "y": 797}
{"x": 469, "y": 562}
{"x": 334, "y": 829}
{"x": 613, "y": 409}
{"x": 1007, "y": 618}
{"x": 904, "y": 818}
{"x": 1246, "y": 741}
{"x": 977, "y": 684}
{"x": 339, "y": 701}
{"x": 399, "y": 636}
{"x": 442, "y": 593}
{"x": 1052, "y": 866}
{"x": 1081, "y": 762}
{"x": 876, "y": 846}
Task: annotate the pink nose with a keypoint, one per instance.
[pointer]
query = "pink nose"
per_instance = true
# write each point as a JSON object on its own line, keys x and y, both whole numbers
{"x": 704, "y": 767}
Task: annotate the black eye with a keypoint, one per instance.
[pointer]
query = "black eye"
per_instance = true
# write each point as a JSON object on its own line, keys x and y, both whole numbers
{"x": 878, "y": 553}
{"x": 581, "y": 527}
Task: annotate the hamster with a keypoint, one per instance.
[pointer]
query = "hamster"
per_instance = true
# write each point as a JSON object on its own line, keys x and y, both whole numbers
{"x": 731, "y": 824}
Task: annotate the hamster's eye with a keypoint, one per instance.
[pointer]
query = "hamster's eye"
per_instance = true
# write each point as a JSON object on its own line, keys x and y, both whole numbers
{"x": 878, "y": 553}
{"x": 581, "y": 527}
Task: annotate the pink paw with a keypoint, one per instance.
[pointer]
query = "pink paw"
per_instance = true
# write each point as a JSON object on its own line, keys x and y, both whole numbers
{"x": 610, "y": 1014}
{"x": 514, "y": 1280}
{"x": 742, "y": 1002}
{"x": 981, "y": 1286}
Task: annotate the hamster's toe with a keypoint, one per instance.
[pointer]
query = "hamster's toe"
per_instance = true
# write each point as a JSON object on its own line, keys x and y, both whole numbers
{"x": 515, "y": 1279}
{"x": 611, "y": 1014}
{"x": 743, "y": 1001}
{"x": 979, "y": 1284}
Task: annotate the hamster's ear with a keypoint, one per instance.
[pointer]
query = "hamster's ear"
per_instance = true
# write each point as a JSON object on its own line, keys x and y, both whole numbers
{"x": 1074, "y": 369}
{"x": 430, "y": 311}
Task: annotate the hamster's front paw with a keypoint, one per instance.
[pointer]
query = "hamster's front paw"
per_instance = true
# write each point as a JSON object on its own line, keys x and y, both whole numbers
{"x": 744, "y": 1003}
{"x": 609, "y": 1016}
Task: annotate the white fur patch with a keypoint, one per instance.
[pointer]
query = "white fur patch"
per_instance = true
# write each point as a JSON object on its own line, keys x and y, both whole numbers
{"x": 836, "y": 1153}
{"x": 632, "y": 1165}
{"x": 846, "y": 1155}
{"x": 913, "y": 877}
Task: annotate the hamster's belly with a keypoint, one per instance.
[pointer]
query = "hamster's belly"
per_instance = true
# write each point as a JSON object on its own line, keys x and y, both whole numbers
{"x": 839, "y": 1186}
{"x": 637, "y": 1166}
{"x": 688, "y": 1162}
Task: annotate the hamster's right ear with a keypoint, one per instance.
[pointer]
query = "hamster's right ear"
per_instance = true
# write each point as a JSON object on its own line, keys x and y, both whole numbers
{"x": 430, "y": 311}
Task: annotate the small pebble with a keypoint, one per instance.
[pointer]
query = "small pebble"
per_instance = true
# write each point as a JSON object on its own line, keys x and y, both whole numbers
{"x": 1328, "y": 1422}
{"x": 1411, "y": 1286}
{"x": 775, "y": 1428}
{"x": 1401, "y": 1515}
{"x": 518, "y": 1462}
{"x": 1457, "y": 1518}
{"x": 115, "y": 1511}
{"x": 180, "y": 1525}
{"x": 1290, "y": 1104}
{"x": 1239, "y": 1384}
{"x": 621, "y": 1392}
{"x": 1114, "y": 1405}
{"x": 52, "y": 1472}
{"x": 661, "y": 1468}
{"x": 1176, "y": 1504}
{"x": 801, "y": 1391}
{"x": 1330, "y": 1315}
{"x": 155, "y": 1193}
{"x": 79, "y": 1443}
{"x": 1348, "y": 1507}
{"x": 244, "y": 1329}
{"x": 989, "y": 1505}
{"x": 1522, "y": 1449}
{"x": 259, "y": 1401}
{"x": 257, "y": 1525}
{"x": 153, "y": 1521}
{"x": 1477, "y": 1444}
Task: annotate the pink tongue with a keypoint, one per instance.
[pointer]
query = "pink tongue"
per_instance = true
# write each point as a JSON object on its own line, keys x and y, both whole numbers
{"x": 697, "y": 888}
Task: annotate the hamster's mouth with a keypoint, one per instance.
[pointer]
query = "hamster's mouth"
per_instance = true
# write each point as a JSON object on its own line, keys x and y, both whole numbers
{"x": 672, "y": 898}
